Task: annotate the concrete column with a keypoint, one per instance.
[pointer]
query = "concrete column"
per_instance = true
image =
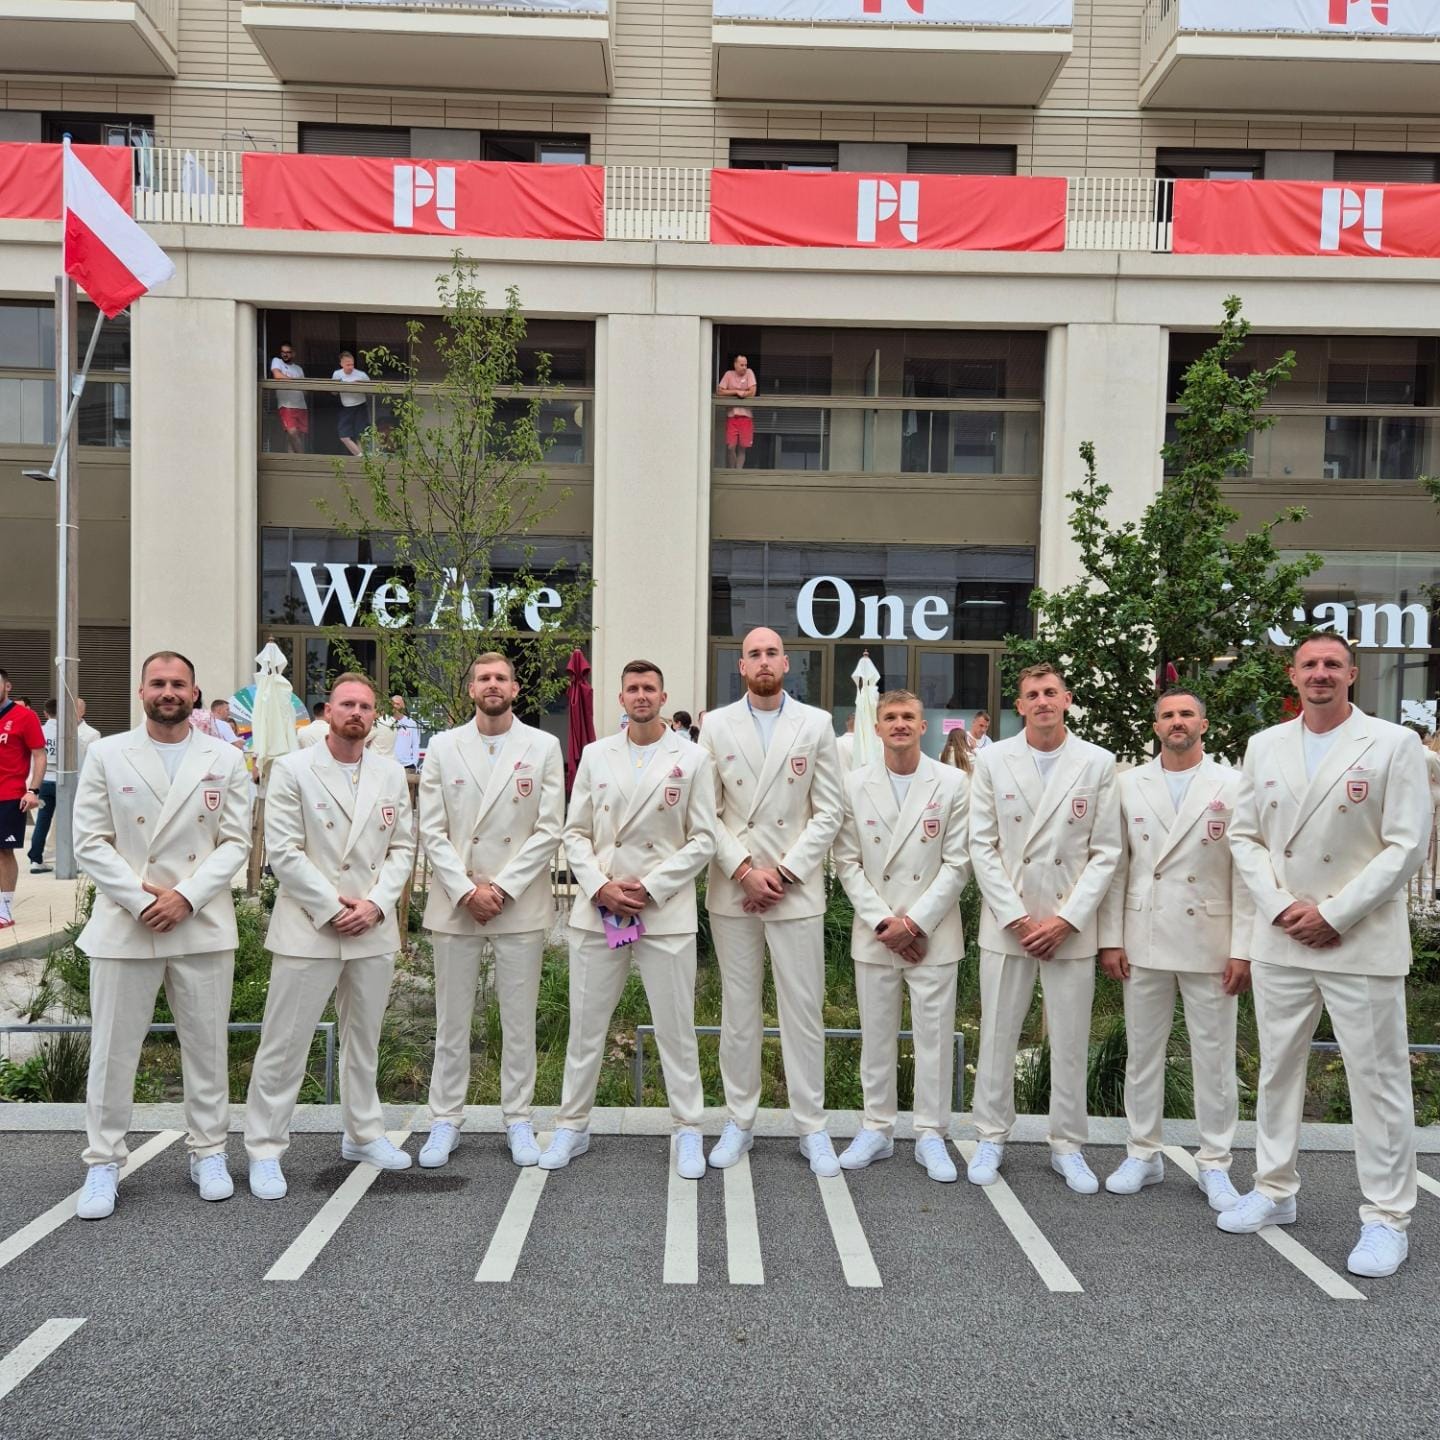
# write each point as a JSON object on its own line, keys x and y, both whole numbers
{"x": 193, "y": 538}
{"x": 1104, "y": 383}
{"x": 652, "y": 506}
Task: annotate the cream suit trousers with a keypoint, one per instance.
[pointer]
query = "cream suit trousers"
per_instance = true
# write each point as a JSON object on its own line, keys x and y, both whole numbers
{"x": 797, "y": 961}
{"x": 880, "y": 989}
{"x": 299, "y": 988}
{"x": 122, "y": 1005}
{"x": 597, "y": 976}
{"x": 1210, "y": 1021}
{"x": 1368, "y": 1014}
{"x": 1007, "y": 986}
{"x": 517, "y": 987}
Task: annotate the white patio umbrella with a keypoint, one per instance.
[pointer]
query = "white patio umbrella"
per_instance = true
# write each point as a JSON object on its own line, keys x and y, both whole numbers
{"x": 867, "y": 698}
{"x": 272, "y": 721}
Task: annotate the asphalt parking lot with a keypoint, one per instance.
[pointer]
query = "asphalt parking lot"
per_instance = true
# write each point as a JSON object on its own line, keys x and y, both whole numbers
{"x": 613, "y": 1301}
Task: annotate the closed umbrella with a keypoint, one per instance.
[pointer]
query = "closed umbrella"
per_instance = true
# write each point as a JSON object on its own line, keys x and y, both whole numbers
{"x": 582, "y": 714}
{"x": 867, "y": 698}
{"x": 273, "y": 708}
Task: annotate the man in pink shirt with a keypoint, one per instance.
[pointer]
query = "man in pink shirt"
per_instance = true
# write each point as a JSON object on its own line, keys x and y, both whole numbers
{"x": 738, "y": 381}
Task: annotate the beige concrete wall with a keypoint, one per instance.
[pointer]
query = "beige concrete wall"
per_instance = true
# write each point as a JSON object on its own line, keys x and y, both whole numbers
{"x": 193, "y": 529}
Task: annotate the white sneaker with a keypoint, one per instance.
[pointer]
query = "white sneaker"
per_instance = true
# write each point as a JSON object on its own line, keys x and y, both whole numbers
{"x": 868, "y": 1145}
{"x": 1132, "y": 1175}
{"x": 212, "y": 1176}
{"x": 523, "y": 1149}
{"x": 984, "y": 1166}
{"x": 267, "y": 1180}
{"x": 689, "y": 1155}
{"x": 97, "y": 1199}
{"x": 818, "y": 1150}
{"x": 1078, "y": 1174}
{"x": 1380, "y": 1251}
{"x": 731, "y": 1145}
{"x": 1221, "y": 1194}
{"x": 442, "y": 1140}
{"x": 931, "y": 1152}
{"x": 1255, "y": 1211}
{"x": 564, "y": 1146}
{"x": 379, "y": 1152}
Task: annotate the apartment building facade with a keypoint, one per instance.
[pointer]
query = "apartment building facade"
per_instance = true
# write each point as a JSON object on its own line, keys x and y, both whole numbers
{"x": 919, "y": 410}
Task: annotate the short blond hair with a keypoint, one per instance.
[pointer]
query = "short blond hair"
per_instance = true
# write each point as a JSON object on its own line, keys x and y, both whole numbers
{"x": 492, "y": 657}
{"x": 899, "y": 697}
{"x": 353, "y": 677}
{"x": 1035, "y": 672}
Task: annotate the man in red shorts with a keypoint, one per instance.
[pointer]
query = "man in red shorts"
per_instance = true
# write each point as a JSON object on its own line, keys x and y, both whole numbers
{"x": 739, "y": 381}
{"x": 22, "y": 768}
{"x": 294, "y": 412}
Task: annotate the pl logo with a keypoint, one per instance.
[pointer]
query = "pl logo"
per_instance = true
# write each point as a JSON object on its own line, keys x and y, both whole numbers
{"x": 879, "y": 200}
{"x": 1342, "y": 209}
{"x": 416, "y": 187}
{"x": 1340, "y": 11}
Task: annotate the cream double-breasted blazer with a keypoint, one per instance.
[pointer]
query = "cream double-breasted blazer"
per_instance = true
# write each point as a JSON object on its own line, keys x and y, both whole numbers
{"x": 492, "y": 822}
{"x": 657, "y": 825}
{"x": 1044, "y": 850}
{"x": 912, "y": 862}
{"x": 1177, "y": 901}
{"x": 325, "y": 838}
{"x": 780, "y": 805}
{"x": 1348, "y": 840}
{"x": 132, "y": 824}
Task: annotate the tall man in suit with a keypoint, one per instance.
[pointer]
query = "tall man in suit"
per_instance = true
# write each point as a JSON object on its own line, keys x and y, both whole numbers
{"x": 1178, "y": 916}
{"x": 162, "y": 826}
{"x": 901, "y": 855}
{"x": 780, "y": 804}
{"x": 641, "y": 828}
{"x": 1045, "y": 844}
{"x": 492, "y": 807}
{"x": 1335, "y": 825}
{"x": 340, "y": 838}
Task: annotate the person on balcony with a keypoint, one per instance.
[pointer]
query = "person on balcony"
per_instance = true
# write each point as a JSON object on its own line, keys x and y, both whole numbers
{"x": 739, "y": 380}
{"x": 354, "y": 406}
{"x": 294, "y": 412}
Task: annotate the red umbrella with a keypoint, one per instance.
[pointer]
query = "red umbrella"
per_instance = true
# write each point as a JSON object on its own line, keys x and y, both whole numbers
{"x": 582, "y": 714}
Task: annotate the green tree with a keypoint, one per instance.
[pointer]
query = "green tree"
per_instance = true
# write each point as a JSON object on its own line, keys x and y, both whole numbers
{"x": 452, "y": 487}
{"x": 1180, "y": 594}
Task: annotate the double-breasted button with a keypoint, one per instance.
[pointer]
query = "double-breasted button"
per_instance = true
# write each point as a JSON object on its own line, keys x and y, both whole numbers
{"x": 1059, "y": 861}
{"x": 1344, "y": 808}
{"x": 345, "y": 866}
{"x": 739, "y": 783}
{"x": 475, "y": 840}
{"x": 329, "y": 824}
{"x": 1155, "y": 876}
{"x": 914, "y": 877}
{"x": 1325, "y": 858}
{"x": 619, "y": 845}
{"x": 749, "y": 824}
{"x": 372, "y": 864}
{"x": 887, "y": 877}
{"x": 1190, "y": 911}
{"x": 189, "y": 857}
{"x": 1190, "y": 879}
{"x": 1203, "y": 842}
{"x": 200, "y": 818}
{"x": 607, "y": 809}
{"x": 779, "y": 822}
{"x": 649, "y": 844}
{"x": 1027, "y": 860}
{"x": 139, "y": 819}
{"x": 1274, "y": 804}
{"x": 1017, "y": 819}
{"x": 1144, "y": 837}
{"x": 507, "y": 839}
{"x": 514, "y": 799}
{"x": 1289, "y": 854}
{"x": 150, "y": 860}
{"x": 876, "y": 838}
{"x": 789, "y": 779}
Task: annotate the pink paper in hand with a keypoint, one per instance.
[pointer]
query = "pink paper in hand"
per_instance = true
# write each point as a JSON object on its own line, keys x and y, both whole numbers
{"x": 620, "y": 930}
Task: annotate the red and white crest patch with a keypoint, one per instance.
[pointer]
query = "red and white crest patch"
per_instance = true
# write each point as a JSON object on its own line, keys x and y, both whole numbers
{"x": 524, "y": 786}
{"x": 672, "y": 794}
{"x": 931, "y": 828}
{"x": 1215, "y": 829}
{"x": 387, "y": 815}
{"x": 1357, "y": 790}
{"x": 1080, "y": 806}
{"x": 798, "y": 763}
{"x": 212, "y": 799}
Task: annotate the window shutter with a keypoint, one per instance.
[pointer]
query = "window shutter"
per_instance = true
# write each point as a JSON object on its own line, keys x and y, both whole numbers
{"x": 28, "y": 658}
{"x": 105, "y": 681}
{"x": 782, "y": 152}
{"x": 354, "y": 140}
{"x": 961, "y": 159}
{"x": 1365, "y": 168}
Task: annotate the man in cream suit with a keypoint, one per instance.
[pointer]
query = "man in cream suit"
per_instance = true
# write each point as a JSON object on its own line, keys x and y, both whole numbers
{"x": 162, "y": 826}
{"x": 1045, "y": 844}
{"x": 492, "y": 806}
{"x": 1334, "y": 827}
{"x": 780, "y": 804}
{"x": 641, "y": 828}
{"x": 340, "y": 838}
{"x": 901, "y": 856}
{"x": 1178, "y": 916}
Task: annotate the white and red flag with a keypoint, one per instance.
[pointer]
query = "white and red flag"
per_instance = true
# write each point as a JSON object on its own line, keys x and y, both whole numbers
{"x": 106, "y": 253}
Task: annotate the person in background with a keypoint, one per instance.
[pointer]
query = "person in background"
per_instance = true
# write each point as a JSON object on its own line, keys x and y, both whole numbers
{"x": 45, "y": 816}
{"x": 681, "y": 722}
{"x": 956, "y": 751}
{"x": 739, "y": 381}
{"x": 317, "y": 729}
{"x": 294, "y": 412}
{"x": 845, "y": 745}
{"x": 85, "y": 735}
{"x": 224, "y": 730}
{"x": 201, "y": 719}
{"x": 979, "y": 734}
{"x": 353, "y": 408}
{"x": 22, "y": 772}
{"x": 407, "y": 734}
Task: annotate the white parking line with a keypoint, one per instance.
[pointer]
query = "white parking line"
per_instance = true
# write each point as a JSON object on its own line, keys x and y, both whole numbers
{"x": 508, "y": 1242}
{"x": 682, "y": 1226}
{"x": 850, "y": 1242}
{"x": 1426, "y": 1183}
{"x": 33, "y": 1350}
{"x": 1308, "y": 1264}
{"x": 58, "y": 1214}
{"x": 317, "y": 1234}
{"x": 1026, "y": 1233}
{"x": 742, "y": 1234}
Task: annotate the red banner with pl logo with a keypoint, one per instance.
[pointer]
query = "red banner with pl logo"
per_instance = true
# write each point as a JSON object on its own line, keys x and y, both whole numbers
{"x": 1305, "y": 217}
{"x": 887, "y": 212}
{"x": 32, "y": 185}
{"x": 424, "y": 197}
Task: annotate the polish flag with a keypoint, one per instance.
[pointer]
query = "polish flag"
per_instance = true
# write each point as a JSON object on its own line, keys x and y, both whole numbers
{"x": 106, "y": 253}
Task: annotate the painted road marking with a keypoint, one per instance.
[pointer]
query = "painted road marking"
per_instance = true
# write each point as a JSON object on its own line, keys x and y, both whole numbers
{"x": 507, "y": 1244}
{"x": 742, "y": 1234}
{"x": 850, "y": 1242}
{"x": 682, "y": 1228}
{"x": 1026, "y": 1233}
{"x": 32, "y": 1351}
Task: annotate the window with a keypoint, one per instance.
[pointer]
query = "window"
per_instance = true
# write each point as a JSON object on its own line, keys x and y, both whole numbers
{"x": 960, "y": 159}
{"x": 354, "y": 140}
{"x": 27, "y": 378}
{"x": 137, "y": 130}
{"x": 538, "y": 149}
{"x": 783, "y": 155}
{"x": 1210, "y": 164}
